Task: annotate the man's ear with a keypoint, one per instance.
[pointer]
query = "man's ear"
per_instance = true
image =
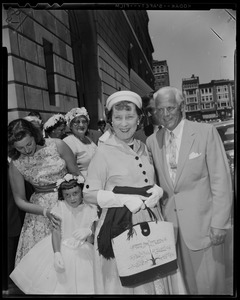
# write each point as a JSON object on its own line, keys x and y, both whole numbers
{"x": 182, "y": 108}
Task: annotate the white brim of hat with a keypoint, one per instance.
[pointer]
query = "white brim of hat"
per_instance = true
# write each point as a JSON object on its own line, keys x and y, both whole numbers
{"x": 124, "y": 96}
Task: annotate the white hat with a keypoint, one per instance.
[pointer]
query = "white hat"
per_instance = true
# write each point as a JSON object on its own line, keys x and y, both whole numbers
{"x": 53, "y": 120}
{"x": 123, "y": 96}
{"x": 33, "y": 119}
{"x": 76, "y": 112}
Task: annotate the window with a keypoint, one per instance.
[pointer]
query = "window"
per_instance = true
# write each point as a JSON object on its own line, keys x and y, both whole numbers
{"x": 208, "y": 106}
{"x": 48, "y": 55}
{"x": 192, "y": 107}
{"x": 191, "y": 100}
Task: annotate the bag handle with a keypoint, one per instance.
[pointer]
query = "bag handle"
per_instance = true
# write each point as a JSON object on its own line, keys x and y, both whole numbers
{"x": 131, "y": 227}
{"x": 151, "y": 214}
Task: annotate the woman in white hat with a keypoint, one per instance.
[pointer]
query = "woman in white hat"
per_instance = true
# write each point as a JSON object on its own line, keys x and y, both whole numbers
{"x": 82, "y": 146}
{"x": 55, "y": 126}
{"x": 122, "y": 163}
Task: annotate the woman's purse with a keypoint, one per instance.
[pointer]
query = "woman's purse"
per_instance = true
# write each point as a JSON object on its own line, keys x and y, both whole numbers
{"x": 146, "y": 254}
{"x": 142, "y": 251}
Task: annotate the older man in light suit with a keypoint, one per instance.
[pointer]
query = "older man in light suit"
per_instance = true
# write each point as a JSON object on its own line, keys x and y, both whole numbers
{"x": 192, "y": 169}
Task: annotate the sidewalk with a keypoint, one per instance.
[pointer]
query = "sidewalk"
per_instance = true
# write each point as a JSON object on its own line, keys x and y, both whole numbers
{"x": 229, "y": 261}
{"x": 12, "y": 290}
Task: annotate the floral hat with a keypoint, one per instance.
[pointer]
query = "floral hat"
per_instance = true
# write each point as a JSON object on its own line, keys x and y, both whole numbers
{"x": 75, "y": 112}
{"x": 33, "y": 119}
{"x": 69, "y": 177}
{"x": 53, "y": 121}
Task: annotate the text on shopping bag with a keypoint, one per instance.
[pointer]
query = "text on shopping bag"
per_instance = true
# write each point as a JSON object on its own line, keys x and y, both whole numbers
{"x": 142, "y": 252}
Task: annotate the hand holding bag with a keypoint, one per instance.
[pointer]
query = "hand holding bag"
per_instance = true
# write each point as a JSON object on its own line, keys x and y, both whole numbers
{"x": 117, "y": 220}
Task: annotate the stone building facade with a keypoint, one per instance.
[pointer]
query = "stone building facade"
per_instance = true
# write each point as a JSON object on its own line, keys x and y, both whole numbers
{"x": 35, "y": 40}
{"x": 59, "y": 59}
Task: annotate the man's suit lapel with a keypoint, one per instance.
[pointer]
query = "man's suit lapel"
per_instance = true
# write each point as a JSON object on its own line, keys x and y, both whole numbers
{"x": 186, "y": 143}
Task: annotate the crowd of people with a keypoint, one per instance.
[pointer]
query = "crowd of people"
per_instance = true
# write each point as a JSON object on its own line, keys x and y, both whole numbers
{"x": 73, "y": 189}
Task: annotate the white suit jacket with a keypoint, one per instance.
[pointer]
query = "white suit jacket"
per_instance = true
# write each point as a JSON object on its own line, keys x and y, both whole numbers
{"x": 201, "y": 196}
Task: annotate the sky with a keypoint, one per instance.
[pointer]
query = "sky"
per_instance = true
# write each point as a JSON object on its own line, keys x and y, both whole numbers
{"x": 186, "y": 40}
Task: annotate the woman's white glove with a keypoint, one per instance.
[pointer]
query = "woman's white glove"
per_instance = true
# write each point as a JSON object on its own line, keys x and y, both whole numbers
{"x": 157, "y": 193}
{"x": 58, "y": 262}
{"x": 82, "y": 233}
{"x": 133, "y": 202}
{"x": 108, "y": 199}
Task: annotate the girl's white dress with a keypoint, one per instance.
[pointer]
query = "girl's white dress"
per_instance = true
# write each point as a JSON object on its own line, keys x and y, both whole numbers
{"x": 35, "y": 273}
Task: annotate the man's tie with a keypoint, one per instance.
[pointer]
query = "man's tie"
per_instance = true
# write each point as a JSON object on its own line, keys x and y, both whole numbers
{"x": 172, "y": 156}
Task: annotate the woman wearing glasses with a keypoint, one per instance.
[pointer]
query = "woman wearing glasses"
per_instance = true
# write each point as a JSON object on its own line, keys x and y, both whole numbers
{"x": 82, "y": 146}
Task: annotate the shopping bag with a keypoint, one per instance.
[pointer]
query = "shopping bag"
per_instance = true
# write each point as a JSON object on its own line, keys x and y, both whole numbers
{"x": 149, "y": 253}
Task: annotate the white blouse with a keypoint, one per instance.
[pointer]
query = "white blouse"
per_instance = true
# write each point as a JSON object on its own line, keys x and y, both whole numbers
{"x": 82, "y": 152}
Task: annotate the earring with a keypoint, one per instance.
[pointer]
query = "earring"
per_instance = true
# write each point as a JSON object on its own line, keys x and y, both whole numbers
{"x": 138, "y": 122}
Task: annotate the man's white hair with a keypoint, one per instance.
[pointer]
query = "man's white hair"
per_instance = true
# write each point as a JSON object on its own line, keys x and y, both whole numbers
{"x": 167, "y": 89}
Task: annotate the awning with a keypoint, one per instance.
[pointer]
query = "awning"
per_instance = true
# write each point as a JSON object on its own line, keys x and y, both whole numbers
{"x": 138, "y": 85}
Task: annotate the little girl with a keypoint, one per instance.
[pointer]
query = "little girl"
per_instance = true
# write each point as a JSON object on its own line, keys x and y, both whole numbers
{"x": 62, "y": 263}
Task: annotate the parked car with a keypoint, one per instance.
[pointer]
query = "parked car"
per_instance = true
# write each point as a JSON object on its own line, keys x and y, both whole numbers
{"x": 226, "y": 131}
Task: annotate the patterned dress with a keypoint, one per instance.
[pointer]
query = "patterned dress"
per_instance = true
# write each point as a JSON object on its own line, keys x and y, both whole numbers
{"x": 45, "y": 167}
